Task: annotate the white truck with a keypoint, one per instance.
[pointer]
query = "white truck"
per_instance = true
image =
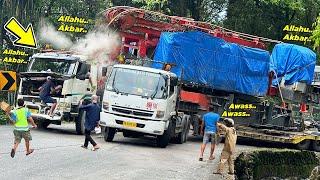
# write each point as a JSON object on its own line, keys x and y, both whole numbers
{"x": 140, "y": 101}
{"x": 66, "y": 69}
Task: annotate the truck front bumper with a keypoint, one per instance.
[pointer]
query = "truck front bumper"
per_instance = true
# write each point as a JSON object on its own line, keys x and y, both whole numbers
{"x": 153, "y": 127}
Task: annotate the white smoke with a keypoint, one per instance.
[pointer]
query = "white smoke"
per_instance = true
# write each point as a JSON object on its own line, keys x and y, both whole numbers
{"x": 98, "y": 45}
{"x": 49, "y": 34}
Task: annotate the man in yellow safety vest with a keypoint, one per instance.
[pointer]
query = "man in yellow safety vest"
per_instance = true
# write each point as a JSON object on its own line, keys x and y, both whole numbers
{"x": 20, "y": 118}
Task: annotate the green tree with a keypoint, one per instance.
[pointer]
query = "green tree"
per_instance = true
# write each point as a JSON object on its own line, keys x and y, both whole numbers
{"x": 267, "y": 18}
{"x": 316, "y": 34}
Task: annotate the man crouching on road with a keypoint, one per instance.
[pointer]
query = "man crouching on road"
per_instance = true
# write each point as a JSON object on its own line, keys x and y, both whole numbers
{"x": 20, "y": 118}
{"x": 229, "y": 145}
{"x": 91, "y": 121}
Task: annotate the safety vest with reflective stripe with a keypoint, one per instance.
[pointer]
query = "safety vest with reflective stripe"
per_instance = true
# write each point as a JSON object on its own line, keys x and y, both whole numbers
{"x": 21, "y": 121}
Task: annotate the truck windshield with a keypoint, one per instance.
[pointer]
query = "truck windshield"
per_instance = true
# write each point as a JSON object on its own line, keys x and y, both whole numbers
{"x": 135, "y": 82}
{"x": 61, "y": 66}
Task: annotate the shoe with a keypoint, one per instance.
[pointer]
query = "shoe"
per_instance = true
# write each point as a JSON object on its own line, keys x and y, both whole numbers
{"x": 13, "y": 152}
{"x": 84, "y": 147}
{"x": 212, "y": 158}
{"x": 219, "y": 173}
{"x": 95, "y": 148}
{"x": 201, "y": 159}
{"x": 230, "y": 173}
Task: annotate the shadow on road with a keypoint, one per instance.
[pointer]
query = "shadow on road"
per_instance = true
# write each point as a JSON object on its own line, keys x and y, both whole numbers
{"x": 58, "y": 129}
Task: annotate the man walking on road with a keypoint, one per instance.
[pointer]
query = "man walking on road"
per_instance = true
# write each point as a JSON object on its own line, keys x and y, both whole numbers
{"x": 229, "y": 145}
{"x": 209, "y": 125}
{"x": 91, "y": 121}
{"x": 20, "y": 118}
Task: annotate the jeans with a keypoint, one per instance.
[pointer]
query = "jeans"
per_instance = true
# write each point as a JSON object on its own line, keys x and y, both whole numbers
{"x": 88, "y": 138}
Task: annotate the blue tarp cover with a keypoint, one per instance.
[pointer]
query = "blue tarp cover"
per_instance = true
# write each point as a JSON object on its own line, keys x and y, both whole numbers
{"x": 293, "y": 63}
{"x": 214, "y": 62}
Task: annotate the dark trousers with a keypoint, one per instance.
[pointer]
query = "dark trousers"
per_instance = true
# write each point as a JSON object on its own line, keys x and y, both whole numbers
{"x": 88, "y": 138}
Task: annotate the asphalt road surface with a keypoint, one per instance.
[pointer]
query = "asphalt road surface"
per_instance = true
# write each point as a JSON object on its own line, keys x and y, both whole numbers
{"x": 58, "y": 155}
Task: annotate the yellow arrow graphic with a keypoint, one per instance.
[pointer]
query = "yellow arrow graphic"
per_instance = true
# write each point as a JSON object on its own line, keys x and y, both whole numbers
{"x": 25, "y": 37}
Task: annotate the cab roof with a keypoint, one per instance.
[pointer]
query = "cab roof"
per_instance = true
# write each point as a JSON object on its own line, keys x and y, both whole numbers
{"x": 55, "y": 55}
{"x": 143, "y": 68}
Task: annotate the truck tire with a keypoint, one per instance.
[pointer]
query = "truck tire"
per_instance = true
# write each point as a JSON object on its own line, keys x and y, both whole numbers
{"x": 80, "y": 122}
{"x": 181, "y": 137}
{"x": 316, "y": 145}
{"x": 109, "y": 134}
{"x": 44, "y": 124}
{"x": 163, "y": 140}
{"x": 303, "y": 145}
{"x": 187, "y": 129}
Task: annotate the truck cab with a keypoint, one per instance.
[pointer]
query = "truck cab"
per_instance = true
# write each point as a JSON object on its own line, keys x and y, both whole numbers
{"x": 142, "y": 101}
{"x": 71, "y": 72}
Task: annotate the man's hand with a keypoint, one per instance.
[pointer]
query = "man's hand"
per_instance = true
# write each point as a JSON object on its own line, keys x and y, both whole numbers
{"x": 34, "y": 126}
{"x": 81, "y": 101}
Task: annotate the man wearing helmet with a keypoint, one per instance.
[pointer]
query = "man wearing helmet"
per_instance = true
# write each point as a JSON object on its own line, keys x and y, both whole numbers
{"x": 229, "y": 145}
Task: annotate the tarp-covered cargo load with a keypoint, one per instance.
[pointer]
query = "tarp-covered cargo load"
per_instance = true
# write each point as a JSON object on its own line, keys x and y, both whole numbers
{"x": 211, "y": 61}
{"x": 293, "y": 63}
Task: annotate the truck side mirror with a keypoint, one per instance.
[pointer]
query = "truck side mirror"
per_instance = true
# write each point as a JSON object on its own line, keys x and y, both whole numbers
{"x": 104, "y": 71}
{"x": 173, "y": 81}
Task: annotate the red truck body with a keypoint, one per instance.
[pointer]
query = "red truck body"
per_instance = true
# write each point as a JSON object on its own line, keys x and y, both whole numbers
{"x": 141, "y": 29}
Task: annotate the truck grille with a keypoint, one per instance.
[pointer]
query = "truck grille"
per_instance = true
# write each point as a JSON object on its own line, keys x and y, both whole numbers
{"x": 137, "y": 112}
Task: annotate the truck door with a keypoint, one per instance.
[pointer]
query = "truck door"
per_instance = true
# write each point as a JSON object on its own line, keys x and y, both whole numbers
{"x": 172, "y": 100}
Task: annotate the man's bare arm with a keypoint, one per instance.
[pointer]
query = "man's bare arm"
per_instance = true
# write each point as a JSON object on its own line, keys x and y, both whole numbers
{"x": 30, "y": 119}
{"x": 8, "y": 113}
{"x": 222, "y": 126}
{"x": 202, "y": 127}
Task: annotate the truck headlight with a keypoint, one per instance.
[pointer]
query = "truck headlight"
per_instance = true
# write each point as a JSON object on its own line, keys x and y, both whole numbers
{"x": 105, "y": 105}
{"x": 160, "y": 114}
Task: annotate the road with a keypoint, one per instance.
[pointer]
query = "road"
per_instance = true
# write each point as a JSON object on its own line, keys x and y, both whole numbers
{"x": 58, "y": 155}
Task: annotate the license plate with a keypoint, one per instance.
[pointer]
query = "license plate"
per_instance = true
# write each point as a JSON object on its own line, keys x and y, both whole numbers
{"x": 129, "y": 124}
{"x": 35, "y": 111}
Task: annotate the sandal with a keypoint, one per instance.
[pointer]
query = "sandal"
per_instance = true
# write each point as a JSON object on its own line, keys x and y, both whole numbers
{"x": 219, "y": 173}
{"x": 95, "y": 148}
{"x": 212, "y": 158}
{"x": 31, "y": 151}
{"x": 13, "y": 152}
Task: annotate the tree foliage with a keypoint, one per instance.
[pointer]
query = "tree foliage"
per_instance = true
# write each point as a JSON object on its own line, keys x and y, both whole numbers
{"x": 267, "y": 18}
{"x": 316, "y": 34}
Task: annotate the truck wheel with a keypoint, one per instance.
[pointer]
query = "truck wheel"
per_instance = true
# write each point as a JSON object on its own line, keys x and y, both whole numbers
{"x": 181, "y": 137}
{"x": 187, "y": 129}
{"x": 304, "y": 145}
{"x": 109, "y": 134}
{"x": 163, "y": 140}
{"x": 316, "y": 145}
{"x": 80, "y": 122}
{"x": 44, "y": 124}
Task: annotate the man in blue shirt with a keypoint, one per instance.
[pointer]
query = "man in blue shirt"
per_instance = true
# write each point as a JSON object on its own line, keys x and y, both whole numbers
{"x": 91, "y": 121}
{"x": 45, "y": 91}
{"x": 209, "y": 126}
